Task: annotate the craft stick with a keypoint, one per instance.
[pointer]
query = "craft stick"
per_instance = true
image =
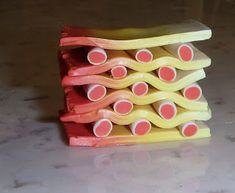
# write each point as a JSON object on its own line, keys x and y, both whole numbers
{"x": 95, "y": 92}
{"x": 78, "y": 103}
{"x": 80, "y": 135}
{"x": 188, "y": 129}
{"x": 142, "y": 55}
{"x": 118, "y": 72}
{"x": 167, "y": 73}
{"x": 78, "y": 66}
{"x": 182, "y": 51}
{"x": 192, "y": 92}
{"x": 102, "y": 128}
{"x": 184, "y": 79}
{"x": 166, "y": 109}
{"x": 96, "y": 56}
{"x": 140, "y": 127}
{"x": 145, "y": 112}
{"x": 123, "y": 106}
{"x": 135, "y": 38}
{"x": 139, "y": 88}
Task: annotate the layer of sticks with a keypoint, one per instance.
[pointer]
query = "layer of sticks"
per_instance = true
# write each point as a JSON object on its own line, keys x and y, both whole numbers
{"x": 139, "y": 89}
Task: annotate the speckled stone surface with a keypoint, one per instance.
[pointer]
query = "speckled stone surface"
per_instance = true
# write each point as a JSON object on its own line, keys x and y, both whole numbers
{"x": 34, "y": 156}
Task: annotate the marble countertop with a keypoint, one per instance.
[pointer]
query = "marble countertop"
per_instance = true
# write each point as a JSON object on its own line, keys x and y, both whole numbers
{"x": 34, "y": 156}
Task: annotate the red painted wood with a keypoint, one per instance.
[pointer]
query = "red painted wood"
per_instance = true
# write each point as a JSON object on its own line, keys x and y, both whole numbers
{"x": 123, "y": 106}
{"x": 192, "y": 92}
{"x": 95, "y": 92}
{"x": 140, "y": 127}
{"x": 102, "y": 128}
{"x": 118, "y": 72}
{"x": 185, "y": 53}
{"x": 166, "y": 109}
{"x": 188, "y": 129}
{"x": 140, "y": 88}
{"x": 167, "y": 73}
{"x": 144, "y": 56}
{"x": 96, "y": 56}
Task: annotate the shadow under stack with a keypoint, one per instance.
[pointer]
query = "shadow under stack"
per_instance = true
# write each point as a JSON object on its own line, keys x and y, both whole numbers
{"x": 134, "y": 85}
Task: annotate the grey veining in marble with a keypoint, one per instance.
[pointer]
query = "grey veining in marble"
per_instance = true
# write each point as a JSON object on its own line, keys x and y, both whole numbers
{"x": 33, "y": 154}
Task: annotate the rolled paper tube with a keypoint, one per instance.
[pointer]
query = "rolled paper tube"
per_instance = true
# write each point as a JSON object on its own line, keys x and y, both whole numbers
{"x": 182, "y": 51}
{"x": 96, "y": 56}
{"x": 166, "y": 109}
{"x": 188, "y": 129}
{"x": 102, "y": 128}
{"x": 192, "y": 92}
{"x": 167, "y": 73}
{"x": 123, "y": 106}
{"x": 95, "y": 92}
{"x": 140, "y": 127}
{"x": 140, "y": 88}
{"x": 118, "y": 72}
{"x": 142, "y": 55}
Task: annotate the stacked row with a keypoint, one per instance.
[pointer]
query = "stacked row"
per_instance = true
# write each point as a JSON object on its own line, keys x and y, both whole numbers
{"x": 133, "y": 85}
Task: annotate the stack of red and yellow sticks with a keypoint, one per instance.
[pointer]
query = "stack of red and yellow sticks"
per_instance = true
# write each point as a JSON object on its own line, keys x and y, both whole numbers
{"x": 133, "y": 85}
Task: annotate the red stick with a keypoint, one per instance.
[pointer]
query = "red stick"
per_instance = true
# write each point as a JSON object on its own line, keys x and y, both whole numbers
{"x": 166, "y": 109}
{"x": 97, "y": 56}
{"x": 95, "y": 92}
{"x": 123, "y": 106}
{"x": 140, "y": 88}
{"x": 141, "y": 55}
{"x": 182, "y": 51}
{"x": 192, "y": 92}
{"x": 167, "y": 73}
{"x": 102, "y": 128}
{"x": 140, "y": 127}
{"x": 188, "y": 129}
{"x": 119, "y": 72}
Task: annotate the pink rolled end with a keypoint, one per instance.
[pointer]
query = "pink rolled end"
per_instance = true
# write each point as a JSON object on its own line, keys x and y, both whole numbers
{"x": 119, "y": 72}
{"x": 167, "y": 110}
{"x": 95, "y": 92}
{"x": 140, "y": 88}
{"x": 140, "y": 127}
{"x": 143, "y": 56}
{"x": 192, "y": 92}
{"x": 123, "y": 106}
{"x": 167, "y": 73}
{"x": 185, "y": 53}
{"x": 188, "y": 129}
{"x": 65, "y": 56}
{"x": 102, "y": 128}
{"x": 97, "y": 56}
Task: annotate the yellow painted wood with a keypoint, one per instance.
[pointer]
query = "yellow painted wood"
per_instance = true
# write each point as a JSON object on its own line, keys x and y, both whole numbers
{"x": 136, "y": 38}
{"x": 176, "y": 97}
{"x": 162, "y": 58}
{"x": 152, "y": 96}
{"x": 122, "y": 135}
{"x": 183, "y": 79}
{"x": 139, "y": 112}
{"x": 149, "y": 113}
